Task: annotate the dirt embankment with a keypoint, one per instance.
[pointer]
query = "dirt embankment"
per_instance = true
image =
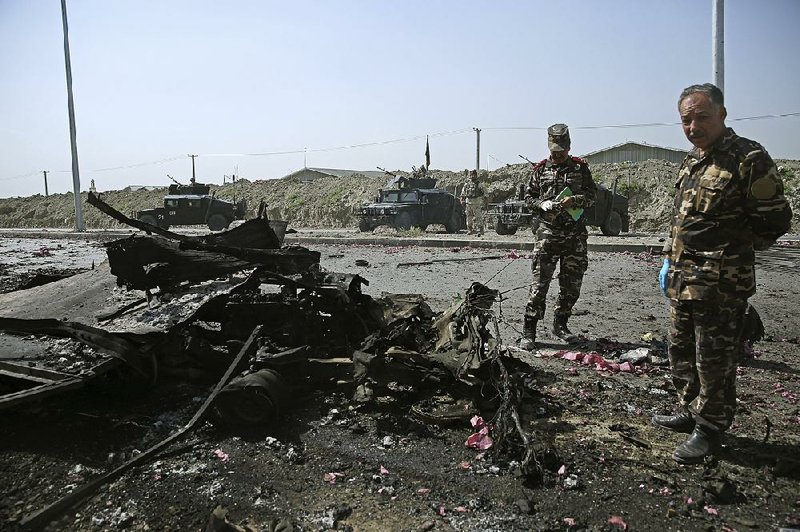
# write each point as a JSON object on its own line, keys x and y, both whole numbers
{"x": 329, "y": 202}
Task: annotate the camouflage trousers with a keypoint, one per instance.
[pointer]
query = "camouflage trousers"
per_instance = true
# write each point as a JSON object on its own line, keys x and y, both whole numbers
{"x": 569, "y": 253}
{"x": 704, "y": 344}
{"x": 474, "y": 212}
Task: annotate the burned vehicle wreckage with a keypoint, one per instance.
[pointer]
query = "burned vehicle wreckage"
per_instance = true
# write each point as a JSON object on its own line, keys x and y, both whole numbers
{"x": 286, "y": 328}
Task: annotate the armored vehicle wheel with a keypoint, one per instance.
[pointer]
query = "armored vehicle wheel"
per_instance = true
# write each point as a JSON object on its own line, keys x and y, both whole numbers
{"x": 149, "y": 219}
{"x": 454, "y": 224}
{"x": 613, "y": 225}
{"x": 364, "y": 225}
{"x": 402, "y": 221}
{"x": 512, "y": 230}
{"x": 217, "y": 222}
{"x": 500, "y": 228}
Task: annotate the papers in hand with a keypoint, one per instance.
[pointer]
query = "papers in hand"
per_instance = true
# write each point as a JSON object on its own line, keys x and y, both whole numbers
{"x": 575, "y": 212}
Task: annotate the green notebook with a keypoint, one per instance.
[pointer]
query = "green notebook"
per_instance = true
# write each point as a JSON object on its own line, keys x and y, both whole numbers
{"x": 575, "y": 212}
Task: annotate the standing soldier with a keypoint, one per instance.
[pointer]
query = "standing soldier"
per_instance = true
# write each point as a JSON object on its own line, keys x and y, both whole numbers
{"x": 560, "y": 188}
{"x": 473, "y": 197}
{"x": 729, "y": 202}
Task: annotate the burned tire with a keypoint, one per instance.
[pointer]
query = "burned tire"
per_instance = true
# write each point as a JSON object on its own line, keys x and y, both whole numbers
{"x": 364, "y": 226}
{"x": 613, "y": 225}
{"x": 217, "y": 222}
{"x": 402, "y": 221}
{"x": 500, "y": 228}
{"x": 453, "y": 225}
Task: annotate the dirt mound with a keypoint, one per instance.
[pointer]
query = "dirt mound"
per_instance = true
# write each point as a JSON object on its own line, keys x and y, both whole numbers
{"x": 329, "y": 202}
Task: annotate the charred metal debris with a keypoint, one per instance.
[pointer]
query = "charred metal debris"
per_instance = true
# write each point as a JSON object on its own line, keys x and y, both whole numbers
{"x": 292, "y": 328}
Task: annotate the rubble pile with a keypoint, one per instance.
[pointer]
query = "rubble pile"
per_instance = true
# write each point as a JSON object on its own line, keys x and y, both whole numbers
{"x": 287, "y": 328}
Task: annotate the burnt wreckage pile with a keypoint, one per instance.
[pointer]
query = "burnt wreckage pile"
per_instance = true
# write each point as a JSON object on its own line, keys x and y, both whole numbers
{"x": 291, "y": 327}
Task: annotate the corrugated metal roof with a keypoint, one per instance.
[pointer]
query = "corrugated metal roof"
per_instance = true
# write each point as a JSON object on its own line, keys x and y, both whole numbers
{"x": 334, "y": 172}
{"x": 630, "y": 143}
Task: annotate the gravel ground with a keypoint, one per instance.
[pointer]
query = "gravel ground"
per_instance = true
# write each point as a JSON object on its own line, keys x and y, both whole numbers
{"x": 331, "y": 465}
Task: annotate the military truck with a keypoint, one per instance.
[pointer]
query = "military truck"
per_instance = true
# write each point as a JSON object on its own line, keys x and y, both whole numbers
{"x": 411, "y": 202}
{"x": 609, "y": 213}
{"x": 193, "y": 204}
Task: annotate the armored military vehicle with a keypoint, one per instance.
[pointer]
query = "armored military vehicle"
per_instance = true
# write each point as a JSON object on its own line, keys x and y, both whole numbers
{"x": 411, "y": 202}
{"x": 193, "y": 205}
{"x": 609, "y": 213}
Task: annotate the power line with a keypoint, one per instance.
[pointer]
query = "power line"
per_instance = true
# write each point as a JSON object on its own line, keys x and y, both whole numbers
{"x": 402, "y": 140}
{"x": 19, "y": 176}
{"x": 646, "y": 124}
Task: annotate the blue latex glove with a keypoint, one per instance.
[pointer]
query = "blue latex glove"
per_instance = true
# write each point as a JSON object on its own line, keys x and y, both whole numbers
{"x": 663, "y": 275}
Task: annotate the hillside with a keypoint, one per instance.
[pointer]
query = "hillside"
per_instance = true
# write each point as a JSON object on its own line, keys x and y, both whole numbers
{"x": 329, "y": 202}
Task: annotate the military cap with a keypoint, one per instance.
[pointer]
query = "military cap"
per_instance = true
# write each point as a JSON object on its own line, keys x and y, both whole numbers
{"x": 558, "y": 137}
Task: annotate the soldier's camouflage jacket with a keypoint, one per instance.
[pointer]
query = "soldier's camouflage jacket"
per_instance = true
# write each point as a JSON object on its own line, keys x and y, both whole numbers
{"x": 472, "y": 190}
{"x": 728, "y": 204}
{"x": 549, "y": 179}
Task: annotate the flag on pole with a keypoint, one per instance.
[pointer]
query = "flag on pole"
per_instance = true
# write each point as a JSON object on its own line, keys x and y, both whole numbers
{"x": 427, "y": 153}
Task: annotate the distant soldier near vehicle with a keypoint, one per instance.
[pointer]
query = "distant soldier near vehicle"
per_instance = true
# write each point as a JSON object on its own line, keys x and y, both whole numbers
{"x": 473, "y": 197}
{"x": 559, "y": 190}
{"x": 729, "y": 203}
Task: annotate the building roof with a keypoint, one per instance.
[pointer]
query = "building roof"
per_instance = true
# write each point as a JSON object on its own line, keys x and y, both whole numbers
{"x": 335, "y": 172}
{"x": 631, "y": 143}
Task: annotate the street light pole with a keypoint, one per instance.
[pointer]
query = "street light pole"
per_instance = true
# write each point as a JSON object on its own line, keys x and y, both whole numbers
{"x": 478, "y": 151}
{"x": 45, "y": 182}
{"x": 76, "y": 178}
{"x": 718, "y": 43}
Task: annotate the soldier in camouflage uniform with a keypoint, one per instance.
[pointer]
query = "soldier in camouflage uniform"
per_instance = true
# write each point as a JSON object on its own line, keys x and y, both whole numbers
{"x": 473, "y": 198}
{"x": 729, "y": 203}
{"x": 561, "y": 237}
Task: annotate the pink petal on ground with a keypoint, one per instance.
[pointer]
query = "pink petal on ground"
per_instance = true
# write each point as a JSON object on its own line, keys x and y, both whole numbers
{"x": 222, "y": 455}
{"x": 331, "y": 477}
{"x": 569, "y": 521}
{"x": 465, "y": 465}
{"x": 617, "y": 520}
{"x": 710, "y": 510}
{"x": 562, "y": 469}
{"x": 461, "y": 509}
{"x": 477, "y": 422}
{"x": 442, "y": 510}
{"x": 423, "y": 491}
{"x": 572, "y": 355}
{"x": 626, "y": 367}
{"x": 480, "y": 440}
{"x": 384, "y": 471}
{"x": 572, "y": 371}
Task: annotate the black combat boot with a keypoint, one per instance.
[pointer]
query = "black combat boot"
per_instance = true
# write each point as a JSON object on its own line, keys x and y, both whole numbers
{"x": 528, "y": 340}
{"x": 704, "y": 441}
{"x": 560, "y": 329}
{"x": 682, "y": 422}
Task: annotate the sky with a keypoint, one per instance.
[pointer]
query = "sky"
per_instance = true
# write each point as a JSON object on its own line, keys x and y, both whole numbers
{"x": 263, "y": 88}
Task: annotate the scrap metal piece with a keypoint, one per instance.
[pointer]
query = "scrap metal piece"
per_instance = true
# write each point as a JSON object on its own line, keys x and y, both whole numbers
{"x": 132, "y": 349}
{"x": 38, "y": 383}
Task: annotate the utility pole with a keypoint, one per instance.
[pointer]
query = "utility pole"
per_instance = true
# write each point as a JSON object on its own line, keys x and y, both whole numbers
{"x": 478, "y": 150}
{"x": 45, "y": 182}
{"x": 718, "y": 43}
{"x": 76, "y": 178}
{"x": 192, "y": 156}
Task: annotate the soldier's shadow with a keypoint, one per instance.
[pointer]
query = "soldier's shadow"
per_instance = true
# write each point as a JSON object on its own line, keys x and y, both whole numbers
{"x": 779, "y": 459}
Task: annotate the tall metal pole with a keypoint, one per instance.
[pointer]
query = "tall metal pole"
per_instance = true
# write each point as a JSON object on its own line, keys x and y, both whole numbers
{"x": 192, "y": 156}
{"x": 76, "y": 177}
{"x": 478, "y": 151}
{"x": 718, "y": 45}
{"x": 45, "y": 183}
